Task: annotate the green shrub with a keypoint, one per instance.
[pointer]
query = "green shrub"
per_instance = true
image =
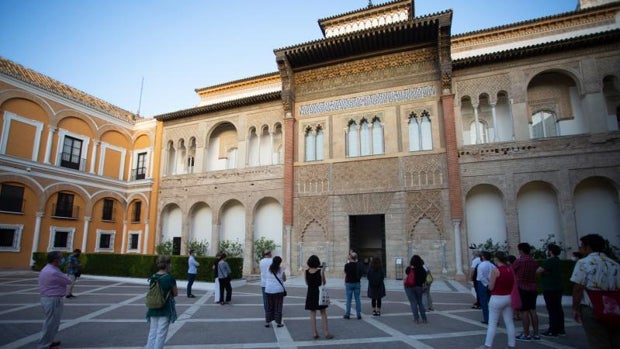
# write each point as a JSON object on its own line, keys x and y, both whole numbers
{"x": 231, "y": 248}
{"x": 142, "y": 266}
{"x": 262, "y": 245}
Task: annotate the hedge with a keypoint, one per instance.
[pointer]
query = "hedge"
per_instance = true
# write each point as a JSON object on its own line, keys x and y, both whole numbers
{"x": 141, "y": 266}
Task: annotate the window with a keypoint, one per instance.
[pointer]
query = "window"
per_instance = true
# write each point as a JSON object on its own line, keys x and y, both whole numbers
{"x": 479, "y": 133}
{"x": 61, "y": 238}
{"x": 365, "y": 139}
{"x": 105, "y": 240}
{"x": 108, "y": 210}
{"x": 71, "y": 155}
{"x": 64, "y": 206}
{"x": 134, "y": 241}
{"x": 10, "y": 237}
{"x": 420, "y": 131}
{"x": 314, "y": 144}
{"x": 137, "y": 208}
{"x": 544, "y": 125}
{"x": 140, "y": 171}
{"x": 11, "y": 198}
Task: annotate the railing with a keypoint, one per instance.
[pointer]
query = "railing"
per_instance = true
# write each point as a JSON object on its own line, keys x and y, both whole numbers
{"x": 138, "y": 173}
{"x": 72, "y": 212}
{"x": 75, "y": 162}
{"x": 108, "y": 215}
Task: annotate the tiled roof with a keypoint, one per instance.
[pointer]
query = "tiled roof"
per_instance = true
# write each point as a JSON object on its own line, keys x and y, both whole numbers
{"x": 612, "y": 36}
{"x": 56, "y": 87}
{"x": 268, "y": 97}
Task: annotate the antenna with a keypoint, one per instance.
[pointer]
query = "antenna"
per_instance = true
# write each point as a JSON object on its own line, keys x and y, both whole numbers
{"x": 140, "y": 100}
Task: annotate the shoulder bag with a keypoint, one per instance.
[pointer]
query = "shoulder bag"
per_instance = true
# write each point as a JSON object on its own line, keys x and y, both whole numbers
{"x": 323, "y": 294}
{"x": 284, "y": 288}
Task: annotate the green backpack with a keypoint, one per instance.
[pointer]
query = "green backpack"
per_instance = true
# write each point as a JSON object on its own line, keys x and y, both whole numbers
{"x": 155, "y": 298}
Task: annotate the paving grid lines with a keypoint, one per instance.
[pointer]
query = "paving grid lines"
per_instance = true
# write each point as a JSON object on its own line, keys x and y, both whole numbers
{"x": 109, "y": 313}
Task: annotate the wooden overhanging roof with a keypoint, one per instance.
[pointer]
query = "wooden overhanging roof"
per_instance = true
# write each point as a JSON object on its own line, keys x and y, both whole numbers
{"x": 391, "y": 37}
{"x": 596, "y": 39}
{"x": 267, "y": 97}
{"x": 31, "y": 77}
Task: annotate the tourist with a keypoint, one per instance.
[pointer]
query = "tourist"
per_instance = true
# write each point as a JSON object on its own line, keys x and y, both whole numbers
{"x": 160, "y": 319}
{"x": 376, "y": 285}
{"x": 414, "y": 293}
{"x": 264, "y": 264}
{"x": 352, "y": 286}
{"x": 73, "y": 270}
{"x": 52, "y": 287}
{"x": 315, "y": 277}
{"x": 275, "y": 291}
{"x": 525, "y": 268}
{"x": 223, "y": 275}
{"x": 483, "y": 278}
{"x": 551, "y": 277}
{"x": 191, "y": 272}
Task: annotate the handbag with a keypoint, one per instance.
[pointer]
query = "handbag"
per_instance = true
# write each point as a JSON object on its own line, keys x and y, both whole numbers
{"x": 323, "y": 294}
{"x": 606, "y": 306}
{"x": 274, "y": 274}
{"x": 410, "y": 279}
{"x": 429, "y": 278}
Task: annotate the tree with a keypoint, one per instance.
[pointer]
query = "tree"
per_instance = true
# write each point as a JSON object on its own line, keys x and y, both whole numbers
{"x": 231, "y": 248}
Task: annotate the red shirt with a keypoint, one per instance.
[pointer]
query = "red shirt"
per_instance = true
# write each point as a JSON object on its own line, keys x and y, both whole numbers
{"x": 525, "y": 269}
{"x": 504, "y": 282}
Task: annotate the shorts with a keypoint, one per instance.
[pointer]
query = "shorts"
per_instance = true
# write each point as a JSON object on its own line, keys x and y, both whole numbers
{"x": 528, "y": 299}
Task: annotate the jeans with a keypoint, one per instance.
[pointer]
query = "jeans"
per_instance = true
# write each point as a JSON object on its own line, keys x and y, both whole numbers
{"x": 190, "y": 282}
{"x": 264, "y": 299}
{"x": 353, "y": 288}
{"x": 426, "y": 298}
{"x": 500, "y": 305}
{"x": 52, "y": 307}
{"x": 157, "y": 332}
{"x": 414, "y": 295}
{"x": 483, "y": 291}
{"x": 553, "y": 301}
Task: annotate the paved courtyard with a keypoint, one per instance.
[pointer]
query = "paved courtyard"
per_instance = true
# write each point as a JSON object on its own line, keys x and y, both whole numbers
{"x": 109, "y": 313}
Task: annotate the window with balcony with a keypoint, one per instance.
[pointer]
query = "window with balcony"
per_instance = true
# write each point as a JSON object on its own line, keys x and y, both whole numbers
{"x": 544, "y": 125}
{"x": 10, "y": 237}
{"x": 64, "y": 206}
{"x": 107, "y": 213}
{"x": 314, "y": 144}
{"x": 11, "y": 198}
{"x": 137, "y": 210}
{"x": 140, "y": 170}
{"x": 420, "y": 131}
{"x": 364, "y": 139}
{"x": 71, "y": 156}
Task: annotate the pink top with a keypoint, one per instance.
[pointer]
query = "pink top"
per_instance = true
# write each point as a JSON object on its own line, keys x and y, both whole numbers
{"x": 53, "y": 282}
{"x": 504, "y": 282}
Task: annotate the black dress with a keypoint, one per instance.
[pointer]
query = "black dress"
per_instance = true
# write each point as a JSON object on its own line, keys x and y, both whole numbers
{"x": 312, "y": 296}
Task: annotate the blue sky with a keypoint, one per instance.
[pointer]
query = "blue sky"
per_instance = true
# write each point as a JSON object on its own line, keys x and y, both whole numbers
{"x": 106, "y": 47}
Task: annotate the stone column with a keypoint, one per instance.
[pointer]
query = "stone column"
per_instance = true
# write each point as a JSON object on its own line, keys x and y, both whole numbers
{"x": 476, "y": 122}
{"x": 124, "y": 242}
{"x": 37, "y": 235}
{"x": 458, "y": 255}
{"x": 93, "y": 156}
{"x": 85, "y": 233}
{"x": 494, "y": 121}
{"x": 48, "y": 144}
{"x": 145, "y": 243}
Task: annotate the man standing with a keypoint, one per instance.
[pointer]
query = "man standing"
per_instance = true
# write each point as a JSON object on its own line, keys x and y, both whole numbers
{"x": 595, "y": 271}
{"x": 552, "y": 290}
{"x": 352, "y": 284}
{"x": 482, "y": 283}
{"x": 73, "y": 270}
{"x": 191, "y": 272}
{"x": 525, "y": 269}
{"x": 473, "y": 276}
{"x": 52, "y": 287}
{"x": 264, "y": 264}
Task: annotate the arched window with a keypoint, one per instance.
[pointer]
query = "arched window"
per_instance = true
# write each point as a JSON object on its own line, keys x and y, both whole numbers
{"x": 231, "y": 159}
{"x": 365, "y": 138}
{"x": 310, "y": 145}
{"x": 420, "y": 131}
{"x": 377, "y": 136}
{"x": 318, "y": 143}
{"x": 543, "y": 125}
{"x": 482, "y": 128}
{"x": 352, "y": 140}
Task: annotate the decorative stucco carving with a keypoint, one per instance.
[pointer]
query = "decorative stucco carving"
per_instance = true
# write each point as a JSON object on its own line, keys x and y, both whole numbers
{"x": 366, "y": 203}
{"x": 489, "y": 85}
{"x": 425, "y": 203}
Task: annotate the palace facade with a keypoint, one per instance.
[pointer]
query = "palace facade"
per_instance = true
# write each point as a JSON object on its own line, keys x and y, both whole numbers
{"x": 389, "y": 136}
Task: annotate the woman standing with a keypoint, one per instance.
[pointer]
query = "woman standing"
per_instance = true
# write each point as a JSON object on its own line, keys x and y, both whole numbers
{"x": 314, "y": 279}
{"x": 223, "y": 275}
{"x": 161, "y": 318}
{"x": 376, "y": 286}
{"x": 426, "y": 296}
{"x": 216, "y": 280}
{"x": 502, "y": 279}
{"x": 414, "y": 293}
{"x": 274, "y": 289}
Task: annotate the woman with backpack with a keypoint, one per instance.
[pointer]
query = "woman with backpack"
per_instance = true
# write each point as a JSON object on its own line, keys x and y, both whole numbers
{"x": 415, "y": 279}
{"x": 160, "y": 318}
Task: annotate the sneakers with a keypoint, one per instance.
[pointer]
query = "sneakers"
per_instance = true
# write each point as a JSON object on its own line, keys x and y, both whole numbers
{"x": 550, "y": 334}
{"x": 535, "y": 337}
{"x": 523, "y": 337}
{"x": 70, "y": 296}
{"x": 346, "y": 317}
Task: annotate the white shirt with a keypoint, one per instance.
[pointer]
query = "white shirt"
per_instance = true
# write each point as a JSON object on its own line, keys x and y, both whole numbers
{"x": 264, "y": 269}
{"x": 271, "y": 284}
{"x": 484, "y": 272}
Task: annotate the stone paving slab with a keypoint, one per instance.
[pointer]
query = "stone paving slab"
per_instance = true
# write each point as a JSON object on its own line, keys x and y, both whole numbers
{"x": 109, "y": 313}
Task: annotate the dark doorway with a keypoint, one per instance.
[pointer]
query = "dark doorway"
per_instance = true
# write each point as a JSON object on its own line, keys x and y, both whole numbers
{"x": 176, "y": 246}
{"x": 367, "y": 237}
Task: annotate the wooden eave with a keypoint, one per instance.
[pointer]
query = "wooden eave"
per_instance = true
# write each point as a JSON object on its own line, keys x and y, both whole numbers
{"x": 366, "y": 12}
{"x": 241, "y": 102}
{"x": 379, "y": 39}
{"x": 254, "y": 80}
{"x": 596, "y": 39}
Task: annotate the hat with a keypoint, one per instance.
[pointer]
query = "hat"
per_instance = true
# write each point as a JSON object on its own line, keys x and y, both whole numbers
{"x": 266, "y": 252}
